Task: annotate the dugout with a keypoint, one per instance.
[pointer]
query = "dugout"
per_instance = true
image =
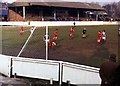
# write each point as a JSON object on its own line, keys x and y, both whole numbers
{"x": 52, "y": 11}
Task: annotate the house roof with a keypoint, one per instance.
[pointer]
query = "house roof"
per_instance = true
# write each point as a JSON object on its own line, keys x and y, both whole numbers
{"x": 79, "y": 5}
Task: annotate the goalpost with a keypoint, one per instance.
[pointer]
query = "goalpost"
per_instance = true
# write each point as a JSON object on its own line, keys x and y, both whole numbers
{"x": 46, "y": 41}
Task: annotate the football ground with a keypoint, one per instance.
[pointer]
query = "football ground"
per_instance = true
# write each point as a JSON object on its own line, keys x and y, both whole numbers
{"x": 85, "y": 51}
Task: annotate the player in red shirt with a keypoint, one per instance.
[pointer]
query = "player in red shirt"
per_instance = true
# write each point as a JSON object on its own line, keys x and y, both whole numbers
{"x": 51, "y": 43}
{"x": 99, "y": 37}
{"x": 71, "y": 32}
{"x": 21, "y": 30}
{"x": 55, "y": 34}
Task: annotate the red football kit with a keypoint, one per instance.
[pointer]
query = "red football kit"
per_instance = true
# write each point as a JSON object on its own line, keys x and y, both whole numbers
{"x": 71, "y": 33}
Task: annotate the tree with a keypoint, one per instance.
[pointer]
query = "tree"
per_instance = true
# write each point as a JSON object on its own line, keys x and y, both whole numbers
{"x": 118, "y": 9}
{"x": 113, "y": 10}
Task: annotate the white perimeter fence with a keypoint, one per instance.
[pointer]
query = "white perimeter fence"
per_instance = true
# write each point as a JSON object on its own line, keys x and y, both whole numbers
{"x": 48, "y": 69}
{"x": 59, "y": 23}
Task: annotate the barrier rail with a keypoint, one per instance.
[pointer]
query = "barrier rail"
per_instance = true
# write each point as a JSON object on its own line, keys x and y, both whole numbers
{"x": 5, "y": 65}
{"x": 49, "y": 69}
{"x": 14, "y": 23}
{"x": 35, "y": 68}
{"x": 59, "y": 23}
{"x": 80, "y": 74}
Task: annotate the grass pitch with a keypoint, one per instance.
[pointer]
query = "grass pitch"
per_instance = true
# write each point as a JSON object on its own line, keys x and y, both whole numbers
{"x": 77, "y": 50}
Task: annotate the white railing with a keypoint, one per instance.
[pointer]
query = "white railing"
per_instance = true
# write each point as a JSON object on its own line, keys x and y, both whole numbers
{"x": 35, "y": 68}
{"x": 80, "y": 74}
{"x": 14, "y": 23}
{"x": 5, "y": 65}
{"x": 59, "y": 23}
{"x": 48, "y": 69}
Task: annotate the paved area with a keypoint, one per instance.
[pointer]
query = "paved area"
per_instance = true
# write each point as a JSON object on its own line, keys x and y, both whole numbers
{"x": 6, "y": 81}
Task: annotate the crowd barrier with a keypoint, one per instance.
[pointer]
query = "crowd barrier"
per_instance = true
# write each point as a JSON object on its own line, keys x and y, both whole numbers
{"x": 14, "y": 23}
{"x": 5, "y": 65}
{"x": 80, "y": 74}
{"x": 48, "y": 69}
{"x": 35, "y": 68}
{"x": 59, "y": 23}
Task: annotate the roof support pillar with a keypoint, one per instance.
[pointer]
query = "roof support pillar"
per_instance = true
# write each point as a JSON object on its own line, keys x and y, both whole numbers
{"x": 96, "y": 17}
{"x": 78, "y": 15}
{"x": 23, "y": 12}
{"x": 55, "y": 14}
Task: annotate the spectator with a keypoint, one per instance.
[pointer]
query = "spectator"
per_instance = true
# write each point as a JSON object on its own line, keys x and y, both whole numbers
{"x": 74, "y": 24}
{"x": 116, "y": 77}
{"x": 107, "y": 69}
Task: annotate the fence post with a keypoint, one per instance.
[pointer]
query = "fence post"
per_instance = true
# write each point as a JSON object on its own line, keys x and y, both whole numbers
{"x": 68, "y": 83}
{"x": 51, "y": 81}
{"x": 60, "y": 73}
{"x": 10, "y": 67}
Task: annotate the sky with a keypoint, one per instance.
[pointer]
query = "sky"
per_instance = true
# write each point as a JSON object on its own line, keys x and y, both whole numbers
{"x": 95, "y": 0}
{"x": 89, "y": 1}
